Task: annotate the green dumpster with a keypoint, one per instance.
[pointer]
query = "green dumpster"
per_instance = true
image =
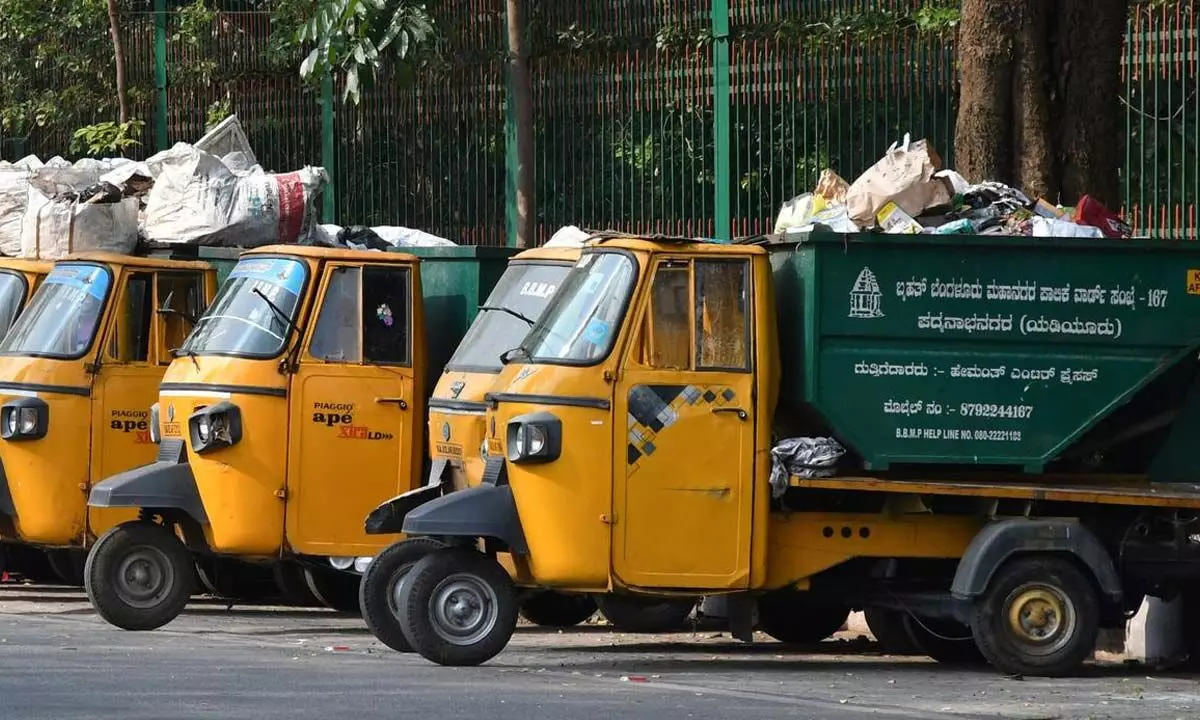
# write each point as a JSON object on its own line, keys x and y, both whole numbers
{"x": 455, "y": 281}
{"x": 1005, "y": 351}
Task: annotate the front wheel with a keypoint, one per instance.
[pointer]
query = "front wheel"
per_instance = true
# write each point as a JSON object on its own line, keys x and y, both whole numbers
{"x": 381, "y": 586}
{"x": 947, "y": 641}
{"x": 639, "y": 614}
{"x": 547, "y": 608}
{"x": 458, "y": 607}
{"x": 1040, "y": 616}
{"x": 139, "y": 576}
{"x": 334, "y": 589}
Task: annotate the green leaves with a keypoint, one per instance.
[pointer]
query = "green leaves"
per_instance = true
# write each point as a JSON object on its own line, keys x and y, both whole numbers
{"x": 106, "y": 138}
{"x": 362, "y": 39}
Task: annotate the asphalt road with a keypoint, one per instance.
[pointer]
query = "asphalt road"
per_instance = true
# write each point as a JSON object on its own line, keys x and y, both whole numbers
{"x": 59, "y": 662}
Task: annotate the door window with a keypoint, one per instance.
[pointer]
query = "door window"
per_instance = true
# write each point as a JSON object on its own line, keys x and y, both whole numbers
{"x": 130, "y": 340}
{"x": 364, "y": 317}
{"x": 181, "y": 296}
{"x": 667, "y": 343}
{"x": 722, "y": 337}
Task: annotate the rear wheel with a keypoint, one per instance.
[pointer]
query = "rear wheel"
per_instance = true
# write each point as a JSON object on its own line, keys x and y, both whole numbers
{"x": 888, "y": 628}
{"x": 640, "y": 614}
{"x": 381, "y": 586}
{"x": 1040, "y": 616}
{"x": 139, "y": 576}
{"x": 947, "y": 641}
{"x": 68, "y": 565}
{"x": 334, "y": 589}
{"x": 234, "y": 579}
{"x": 558, "y": 610}
{"x": 458, "y": 607}
{"x": 790, "y": 616}
{"x": 30, "y": 563}
{"x": 289, "y": 580}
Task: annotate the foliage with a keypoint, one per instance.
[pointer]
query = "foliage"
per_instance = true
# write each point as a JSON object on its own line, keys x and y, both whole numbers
{"x": 359, "y": 38}
{"x": 107, "y": 138}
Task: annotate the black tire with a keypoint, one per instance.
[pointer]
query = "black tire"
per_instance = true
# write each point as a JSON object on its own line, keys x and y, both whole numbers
{"x": 293, "y": 589}
{"x": 1039, "y": 616}
{"x": 791, "y": 617}
{"x": 68, "y": 565}
{"x": 888, "y": 628}
{"x": 139, "y": 576}
{"x": 947, "y": 641}
{"x": 377, "y": 593}
{"x": 458, "y": 607}
{"x": 233, "y": 579}
{"x": 641, "y": 614}
{"x": 30, "y": 563}
{"x": 334, "y": 589}
{"x": 557, "y": 610}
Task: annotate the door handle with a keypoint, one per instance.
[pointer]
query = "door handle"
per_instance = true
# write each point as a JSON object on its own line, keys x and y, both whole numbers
{"x": 399, "y": 402}
{"x": 741, "y": 414}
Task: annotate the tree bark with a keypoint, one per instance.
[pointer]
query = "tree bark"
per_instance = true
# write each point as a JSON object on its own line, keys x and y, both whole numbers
{"x": 1037, "y": 110}
{"x": 114, "y": 31}
{"x": 522, "y": 99}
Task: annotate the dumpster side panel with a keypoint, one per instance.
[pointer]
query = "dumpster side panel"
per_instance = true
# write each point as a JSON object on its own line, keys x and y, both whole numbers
{"x": 985, "y": 351}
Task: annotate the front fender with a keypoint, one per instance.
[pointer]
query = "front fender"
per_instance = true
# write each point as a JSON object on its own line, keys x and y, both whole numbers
{"x": 388, "y": 518}
{"x": 484, "y": 511}
{"x": 160, "y": 485}
{"x": 6, "y": 502}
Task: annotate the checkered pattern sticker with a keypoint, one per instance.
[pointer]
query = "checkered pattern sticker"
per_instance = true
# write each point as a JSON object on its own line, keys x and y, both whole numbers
{"x": 655, "y": 408}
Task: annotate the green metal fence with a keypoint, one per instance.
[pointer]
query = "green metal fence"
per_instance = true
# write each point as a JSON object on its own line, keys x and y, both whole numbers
{"x": 651, "y": 115}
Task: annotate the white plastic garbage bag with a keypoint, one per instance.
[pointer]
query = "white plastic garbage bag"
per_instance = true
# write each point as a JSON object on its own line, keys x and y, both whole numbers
{"x": 569, "y": 236}
{"x": 55, "y": 228}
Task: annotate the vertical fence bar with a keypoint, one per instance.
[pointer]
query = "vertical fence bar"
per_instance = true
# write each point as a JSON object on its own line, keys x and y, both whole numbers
{"x": 328, "y": 152}
{"x": 722, "y": 217}
{"x": 160, "y": 75}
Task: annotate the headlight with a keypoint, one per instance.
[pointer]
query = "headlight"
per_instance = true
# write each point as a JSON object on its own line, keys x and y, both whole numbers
{"x": 215, "y": 427}
{"x": 339, "y": 562}
{"x": 155, "y": 431}
{"x": 534, "y": 438}
{"x": 24, "y": 419}
{"x": 483, "y": 453}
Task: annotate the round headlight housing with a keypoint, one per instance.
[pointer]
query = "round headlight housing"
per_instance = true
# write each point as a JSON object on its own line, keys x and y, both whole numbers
{"x": 536, "y": 435}
{"x": 13, "y": 422}
{"x": 28, "y": 420}
{"x": 204, "y": 428}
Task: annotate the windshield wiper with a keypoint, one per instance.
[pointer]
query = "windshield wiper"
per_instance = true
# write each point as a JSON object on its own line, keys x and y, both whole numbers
{"x": 509, "y": 355}
{"x": 280, "y": 315}
{"x": 510, "y": 311}
{"x": 191, "y": 355}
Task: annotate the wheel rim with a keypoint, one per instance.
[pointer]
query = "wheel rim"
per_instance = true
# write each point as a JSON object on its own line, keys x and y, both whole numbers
{"x": 396, "y": 590}
{"x": 1041, "y": 618}
{"x": 463, "y": 609}
{"x": 144, "y": 576}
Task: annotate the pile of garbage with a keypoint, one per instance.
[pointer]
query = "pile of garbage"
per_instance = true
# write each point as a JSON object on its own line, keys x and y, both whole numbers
{"x": 213, "y": 192}
{"x": 909, "y": 192}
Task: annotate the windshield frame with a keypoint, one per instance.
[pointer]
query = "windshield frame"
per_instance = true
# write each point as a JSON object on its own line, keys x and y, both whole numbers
{"x": 528, "y": 358}
{"x": 499, "y": 367}
{"x": 101, "y": 317}
{"x": 24, "y": 281}
{"x": 301, "y": 300}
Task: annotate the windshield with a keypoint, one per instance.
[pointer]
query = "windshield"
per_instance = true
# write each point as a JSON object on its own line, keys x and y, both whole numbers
{"x": 12, "y": 297}
{"x": 62, "y": 317}
{"x": 525, "y": 289}
{"x": 253, "y": 311}
{"x": 583, "y": 319}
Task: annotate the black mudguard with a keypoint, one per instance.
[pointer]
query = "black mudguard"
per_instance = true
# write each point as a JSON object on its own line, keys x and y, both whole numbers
{"x": 999, "y": 541}
{"x": 6, "y": 502}
{"x": 388, "y": 518}
{"x": 159, "y": 485}
{"x": 484, "y": 511}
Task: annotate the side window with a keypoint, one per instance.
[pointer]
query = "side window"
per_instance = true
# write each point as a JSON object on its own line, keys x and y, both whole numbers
{"x": 181, "y": 296}
{"x": 130, "y": 341}
{"x": 336, "y": 336}
{"x": 666, "y": 337}
{"x": 722, "y": 337}
{"x": 385, "y": 322}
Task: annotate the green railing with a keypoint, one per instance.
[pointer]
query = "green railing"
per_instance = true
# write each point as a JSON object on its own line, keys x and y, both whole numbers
{"x": 651, "y": 115}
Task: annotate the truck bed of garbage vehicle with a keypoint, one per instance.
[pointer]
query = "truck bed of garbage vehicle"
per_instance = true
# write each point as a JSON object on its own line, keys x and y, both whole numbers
{"x": 1038, "y": 355}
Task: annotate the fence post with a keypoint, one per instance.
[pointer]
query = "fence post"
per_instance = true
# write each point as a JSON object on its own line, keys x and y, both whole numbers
{"x": 512, "y": 162}
{"x": 328, "y": 150}
{"x": 160, "y": 75}
{"x": 722, "y": 215}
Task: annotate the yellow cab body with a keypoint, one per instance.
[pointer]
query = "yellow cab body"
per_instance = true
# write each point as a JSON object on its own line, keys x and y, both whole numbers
{"x": 456, "y": 408}
{"x": 19, "y": 280}
{"x": 308, "y": 371}
{"x": 79, "y": 371}
{"x": 635, "y": 426}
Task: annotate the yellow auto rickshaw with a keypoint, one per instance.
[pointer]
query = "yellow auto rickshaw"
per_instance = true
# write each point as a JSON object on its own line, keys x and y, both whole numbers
{"x": 307, "y": 370}
{"x": 78, "y": 371}
{"x": 19, "y": 280}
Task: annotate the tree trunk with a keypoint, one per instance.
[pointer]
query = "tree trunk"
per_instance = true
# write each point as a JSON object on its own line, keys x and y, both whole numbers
{"x": 522, "y": 100}
{"x": 1037, "y": 108}
{"x": 114, "y": 31}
